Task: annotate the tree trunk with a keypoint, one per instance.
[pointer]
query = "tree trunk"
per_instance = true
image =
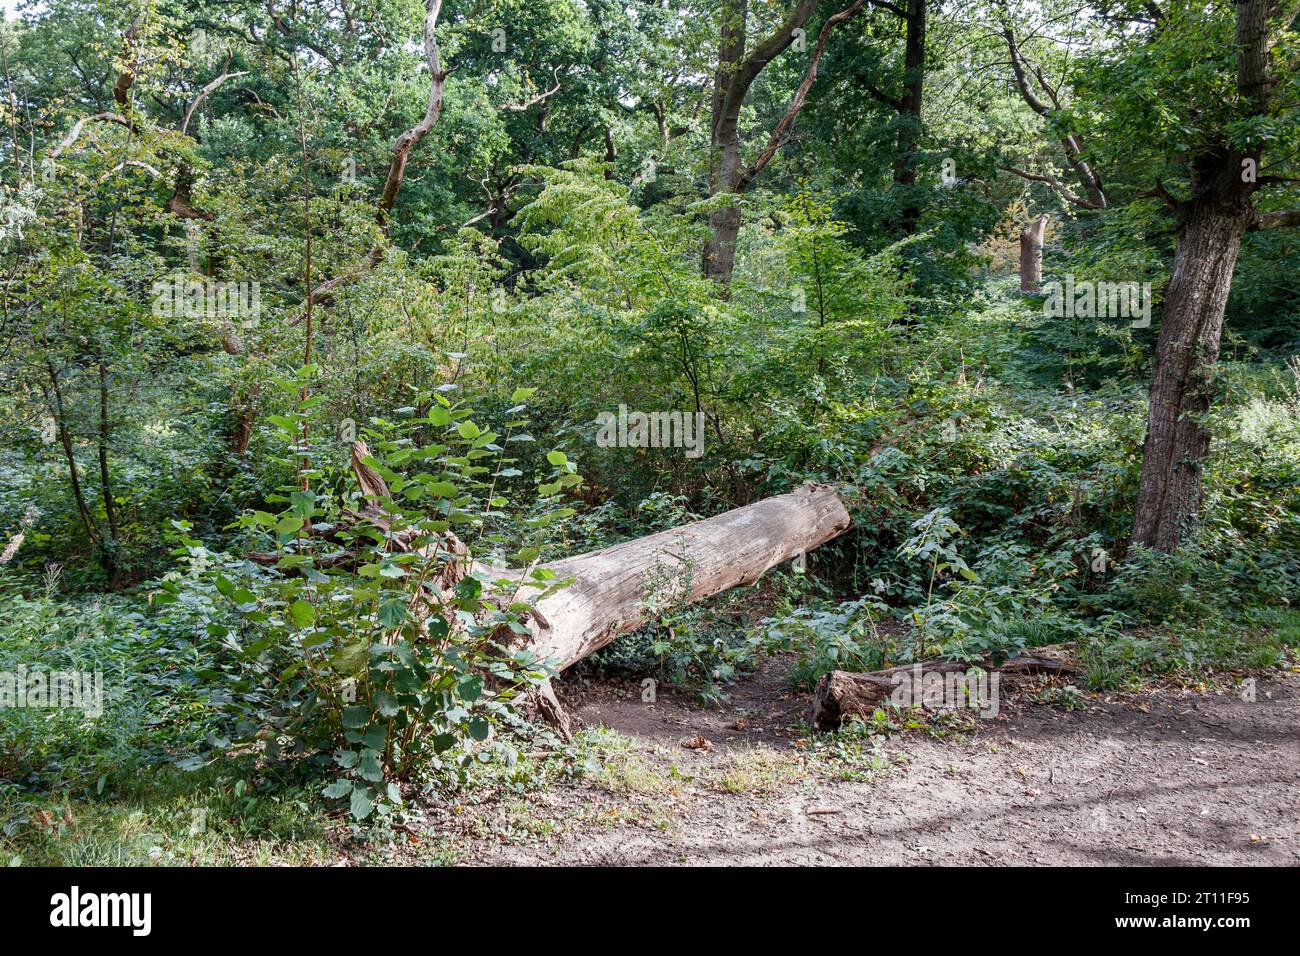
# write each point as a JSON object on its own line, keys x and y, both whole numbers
{"x": 735, "y": 74}
{"x": 720, "y": 250}
{"x": 54, "y": 398}
{"x": 612, "y": 588}
{"x": 724, "y": 161}
{"x": 841, "y": 694}
{"x": 1177, "y": 442}
{"x": 1031, "y": 255}
{"x": 724, "y": 223}
{"x": 108, "y": 546}
{"x": 433, "y": 109}
{"x": 909, "y": 130}
{"x": 1210, "y": 229}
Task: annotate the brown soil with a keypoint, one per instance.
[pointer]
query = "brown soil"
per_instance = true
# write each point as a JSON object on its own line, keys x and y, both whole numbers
{"x": 1167, "y": 776}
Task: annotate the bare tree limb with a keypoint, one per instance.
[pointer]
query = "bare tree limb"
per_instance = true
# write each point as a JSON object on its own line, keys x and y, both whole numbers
{"x": 203, "y": 95}
{"x": 533, "y": 101}
{"x": 1019, "y": 71}
{"x": 1056, "y": 185}
{"x": 408, "y": 140}
{"x": 121, "y": 95}
{"x": 323, "y": 293}
{"x": 800, "y": 97}
{"x": 1087, "y": 175}
{"x": 75, "y": 133}
{"x": 180, "y": 203}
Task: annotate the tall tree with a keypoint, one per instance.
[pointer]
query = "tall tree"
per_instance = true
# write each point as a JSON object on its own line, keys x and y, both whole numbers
{"x": 1245, "y": 110}
{"x": 1172, "y": 106}
{"x": 907, "y": 105}
{"x": 736, "y": 72}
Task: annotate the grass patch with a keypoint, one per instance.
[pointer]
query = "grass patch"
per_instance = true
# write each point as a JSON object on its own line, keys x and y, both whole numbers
{"x": 759, "y": 770}
{"x": 204, "y": 819}
{"x": 1125, "y": 661}
{"x": 611, "y": 761}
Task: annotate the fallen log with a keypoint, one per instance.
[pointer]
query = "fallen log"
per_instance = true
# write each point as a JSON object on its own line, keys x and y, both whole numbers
{"x": 612, "y": 590}
{"x": 840, "y": 695}
{"x": 617, "y": 589}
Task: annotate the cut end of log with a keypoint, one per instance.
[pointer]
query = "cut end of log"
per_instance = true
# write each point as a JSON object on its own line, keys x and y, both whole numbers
{"x": 826, "y": 714}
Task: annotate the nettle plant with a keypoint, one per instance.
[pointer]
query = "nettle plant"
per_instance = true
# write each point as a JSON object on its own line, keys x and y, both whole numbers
{"x": 363, "y": 635}
{"x": 688, "y": 651}
{"x": 841, "y": 636}
{"x": 934, "y": 548}
{"x": 1006, "y": 603}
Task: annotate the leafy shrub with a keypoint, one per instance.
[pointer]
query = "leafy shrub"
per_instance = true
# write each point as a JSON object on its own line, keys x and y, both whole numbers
{"x": 823, "y": 639}
{"x": 147, "y": 706}
{"x": 362, "y": 638}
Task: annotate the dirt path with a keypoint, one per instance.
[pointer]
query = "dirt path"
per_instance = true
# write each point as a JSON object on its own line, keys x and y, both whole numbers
{"x": 1165, "y": 777}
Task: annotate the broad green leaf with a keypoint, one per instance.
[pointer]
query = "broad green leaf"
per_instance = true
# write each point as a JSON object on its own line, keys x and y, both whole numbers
{"x": 337, "y": 790}
{"x": 303, "y": 614}
{"x": 361, "y": 804}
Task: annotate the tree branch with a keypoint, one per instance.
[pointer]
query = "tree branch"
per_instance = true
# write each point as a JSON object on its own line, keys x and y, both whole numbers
{"x": 203, "y": 95}
{"x": 1056, "y": 185}
{"x": 764, "y": 54}
{"x": 75, "y": 132}
{"x": 1276, "y": 220}
{"x": 886, "y": 5}
{"x": 408, "y": 140}
{"x": 285, "y": 30}
{"x": 1158, "y": 191}
{"x": 876, "y": 93}
{"x": 1020, "y": 73}
{"x": 800, "y": 97}
{"x": 1089, "y": 179}
{"x": 529, "y": 103}
{"x": 121, "y": 88}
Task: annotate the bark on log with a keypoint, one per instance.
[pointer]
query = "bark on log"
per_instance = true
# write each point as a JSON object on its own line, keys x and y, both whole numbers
{"x": 609, "y": 590}
{"x": 841, "y": 694}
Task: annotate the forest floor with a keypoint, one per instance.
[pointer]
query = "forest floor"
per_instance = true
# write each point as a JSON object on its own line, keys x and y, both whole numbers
{"x": 1168, "y": 775}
